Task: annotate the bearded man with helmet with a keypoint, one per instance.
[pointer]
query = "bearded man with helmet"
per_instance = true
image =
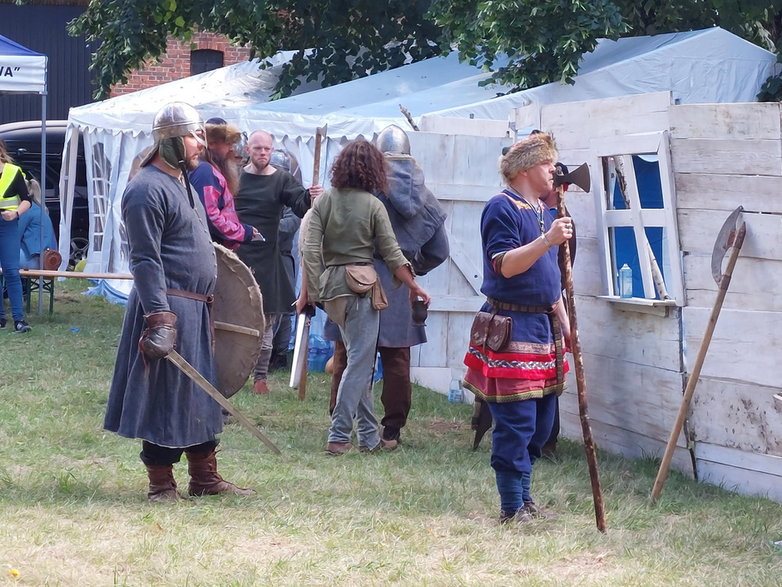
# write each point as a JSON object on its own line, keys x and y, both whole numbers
{"x": 174, "y": 268}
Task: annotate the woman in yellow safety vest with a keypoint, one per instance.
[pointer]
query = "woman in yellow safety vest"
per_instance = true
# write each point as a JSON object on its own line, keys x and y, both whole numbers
{"x": 14, "y": 201}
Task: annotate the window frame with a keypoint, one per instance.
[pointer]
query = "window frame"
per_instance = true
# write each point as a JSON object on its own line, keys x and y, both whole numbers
{"x": 639, "y": 218}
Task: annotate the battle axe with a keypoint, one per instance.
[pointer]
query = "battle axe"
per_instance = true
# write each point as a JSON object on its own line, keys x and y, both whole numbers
{"x": 580, "y": 177}
{"x": 730, "y": 236}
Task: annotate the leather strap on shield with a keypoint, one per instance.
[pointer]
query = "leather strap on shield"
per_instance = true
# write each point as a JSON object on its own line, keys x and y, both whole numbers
{"x": 237, "y": 312}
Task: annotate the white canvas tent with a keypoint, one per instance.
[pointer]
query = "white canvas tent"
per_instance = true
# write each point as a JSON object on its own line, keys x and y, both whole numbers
{"x": 701, "y": 66}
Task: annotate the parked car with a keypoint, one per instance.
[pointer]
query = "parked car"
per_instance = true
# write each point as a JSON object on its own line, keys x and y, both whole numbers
{"x": 23, "y": 142}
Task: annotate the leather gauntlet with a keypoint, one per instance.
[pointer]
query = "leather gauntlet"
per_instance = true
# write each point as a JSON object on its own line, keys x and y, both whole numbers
{"x": 159, "y": 337}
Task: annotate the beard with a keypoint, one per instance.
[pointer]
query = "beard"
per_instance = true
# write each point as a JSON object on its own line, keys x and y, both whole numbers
{"x": 192, "y": 163}
{"x": 230, "y": 170}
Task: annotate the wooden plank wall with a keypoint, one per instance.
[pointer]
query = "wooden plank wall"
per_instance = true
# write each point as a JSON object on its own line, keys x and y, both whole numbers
{"x": 632, "y": 359}
{"x": 725, "y": 155}
{"x": 461, "y": 170}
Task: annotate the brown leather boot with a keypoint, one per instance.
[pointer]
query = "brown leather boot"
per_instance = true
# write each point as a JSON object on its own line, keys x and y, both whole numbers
{"x": 204, "y": 478}
{"x": 162, "y": 485}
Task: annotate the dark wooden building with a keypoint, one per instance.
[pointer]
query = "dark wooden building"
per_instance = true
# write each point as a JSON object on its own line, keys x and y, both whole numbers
{"x": 41, "y": 27}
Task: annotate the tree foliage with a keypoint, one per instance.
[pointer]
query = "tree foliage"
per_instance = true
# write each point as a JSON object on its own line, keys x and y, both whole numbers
{"x": 545, "y": 39}
{"x": 541, "y": 41}
{"x": 336, "y": 40}
{"x": 523, "y": 42}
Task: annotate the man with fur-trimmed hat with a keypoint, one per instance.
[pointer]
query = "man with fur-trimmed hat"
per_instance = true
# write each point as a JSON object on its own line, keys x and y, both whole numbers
{"x": 519, "y": 375}
{"x": 174, "y": 269}
{"x": 216, "y": 179}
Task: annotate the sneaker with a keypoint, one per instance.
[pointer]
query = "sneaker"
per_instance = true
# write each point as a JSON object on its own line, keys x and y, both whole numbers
{"x": 520, "y": 516}
{"x": 337, "y": 449}
{"x": 2, "y": 322}
{"x": 535, "y": 511}
{"x": 21, "y": 326}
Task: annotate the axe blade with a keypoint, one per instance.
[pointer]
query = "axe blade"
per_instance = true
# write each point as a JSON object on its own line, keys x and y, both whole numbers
{"x": 725, "y": 240}
{"x": 580, "y": 176}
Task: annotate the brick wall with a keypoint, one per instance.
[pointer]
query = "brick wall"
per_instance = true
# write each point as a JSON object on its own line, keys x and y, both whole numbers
{"x": 175, "y": 64}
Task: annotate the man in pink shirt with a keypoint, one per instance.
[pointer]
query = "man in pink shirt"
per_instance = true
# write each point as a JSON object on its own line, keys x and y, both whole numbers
{"x": 216, "y": 179}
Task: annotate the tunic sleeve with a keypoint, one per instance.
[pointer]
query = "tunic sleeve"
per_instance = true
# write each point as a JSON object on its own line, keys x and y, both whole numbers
{"x": 212, "y": 187}
{"x": 500, "y": 227}
{"x": 385, "y": 241}
{"x": 311, "y": 245}
{"x": 433, "y": 253}
{"x": 294, "y": 195}
{"x": 144, "y": 217}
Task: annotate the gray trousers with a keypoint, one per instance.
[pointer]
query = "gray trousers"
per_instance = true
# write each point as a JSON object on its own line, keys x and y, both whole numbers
{"x": 354, "y": 396}
{"x": 262, "y": 366}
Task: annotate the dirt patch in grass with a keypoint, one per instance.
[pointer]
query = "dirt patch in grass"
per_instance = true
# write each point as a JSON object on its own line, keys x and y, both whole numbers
{"x": 440, "y": 427}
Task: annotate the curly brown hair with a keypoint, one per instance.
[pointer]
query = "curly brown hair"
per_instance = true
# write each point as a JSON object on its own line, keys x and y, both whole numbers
{"x": 360, "y": 166}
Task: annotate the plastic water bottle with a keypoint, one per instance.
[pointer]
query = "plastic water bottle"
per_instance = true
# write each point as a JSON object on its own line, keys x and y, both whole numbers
{"x": 455, "y": 391}
{"x": 378, "y": 369}
{"x": 625, "y": 282}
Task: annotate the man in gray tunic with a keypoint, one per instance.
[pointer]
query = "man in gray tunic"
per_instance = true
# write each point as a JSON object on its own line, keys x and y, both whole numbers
{"x": 264, "y": 191}
{"x": 418, "y": 222}
{"x": 174, "y": 269}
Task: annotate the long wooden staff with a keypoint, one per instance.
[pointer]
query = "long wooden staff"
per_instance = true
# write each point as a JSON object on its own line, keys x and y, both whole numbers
{"x": 578, "y": 359}
{"x": 320, "y": 134}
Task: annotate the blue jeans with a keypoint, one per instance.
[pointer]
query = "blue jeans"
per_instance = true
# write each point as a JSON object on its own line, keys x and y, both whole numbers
{"x": 9, "y": 261}
{"x": 354, "y": 396}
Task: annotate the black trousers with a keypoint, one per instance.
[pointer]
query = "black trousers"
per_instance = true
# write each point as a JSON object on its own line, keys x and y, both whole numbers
{"x": 154, "y": 454}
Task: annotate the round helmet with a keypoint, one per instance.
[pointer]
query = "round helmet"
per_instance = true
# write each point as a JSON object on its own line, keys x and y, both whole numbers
{"x": 172, "y": 122}
{"x": 177, "y": 119}
{"x": 393, "y": 139}
{"x": 281, "y": 159}
{"x": 287, "y": 161}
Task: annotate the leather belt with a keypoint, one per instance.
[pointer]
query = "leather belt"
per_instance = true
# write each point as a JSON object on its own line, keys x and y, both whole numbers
{"x": 180, "y": 293}
{"x": 207, "y": 299}
{"x": 556, "y": 329}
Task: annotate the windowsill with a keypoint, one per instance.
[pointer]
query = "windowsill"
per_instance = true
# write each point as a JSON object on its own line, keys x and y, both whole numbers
{"x": 643, "y": 305}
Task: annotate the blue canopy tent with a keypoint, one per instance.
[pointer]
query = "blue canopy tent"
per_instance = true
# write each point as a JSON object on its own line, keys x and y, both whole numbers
{"x": 23, "y": 71}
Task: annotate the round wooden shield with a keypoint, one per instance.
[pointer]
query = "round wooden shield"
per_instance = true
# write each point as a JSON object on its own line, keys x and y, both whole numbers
{"x": 237, "y": 312}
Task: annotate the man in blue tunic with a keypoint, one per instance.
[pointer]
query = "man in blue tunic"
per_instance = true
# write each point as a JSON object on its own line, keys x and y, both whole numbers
{"x": 174, "y": 269}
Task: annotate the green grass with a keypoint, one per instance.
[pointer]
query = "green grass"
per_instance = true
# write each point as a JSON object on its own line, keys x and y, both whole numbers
{"x": 73, "y": 506}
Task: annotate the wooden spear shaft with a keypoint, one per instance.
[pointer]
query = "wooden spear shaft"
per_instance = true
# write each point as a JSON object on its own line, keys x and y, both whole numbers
{"x": 578, "y": 360}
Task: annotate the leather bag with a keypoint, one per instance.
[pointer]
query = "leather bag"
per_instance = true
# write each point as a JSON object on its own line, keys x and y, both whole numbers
{"x": 490, "y": 331}
{"x": 362, "y": 279}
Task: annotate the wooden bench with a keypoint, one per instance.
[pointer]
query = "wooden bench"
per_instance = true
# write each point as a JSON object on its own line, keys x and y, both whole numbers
{"x": 34, "y": 279}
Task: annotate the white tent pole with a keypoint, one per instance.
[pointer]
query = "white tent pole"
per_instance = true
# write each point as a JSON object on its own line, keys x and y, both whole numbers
{"x": 43, "y": 210}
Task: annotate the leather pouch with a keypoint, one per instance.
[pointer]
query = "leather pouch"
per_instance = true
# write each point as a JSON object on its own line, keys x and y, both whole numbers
{"x": 490, "y": 331}
{"x": 360, "y": 278}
